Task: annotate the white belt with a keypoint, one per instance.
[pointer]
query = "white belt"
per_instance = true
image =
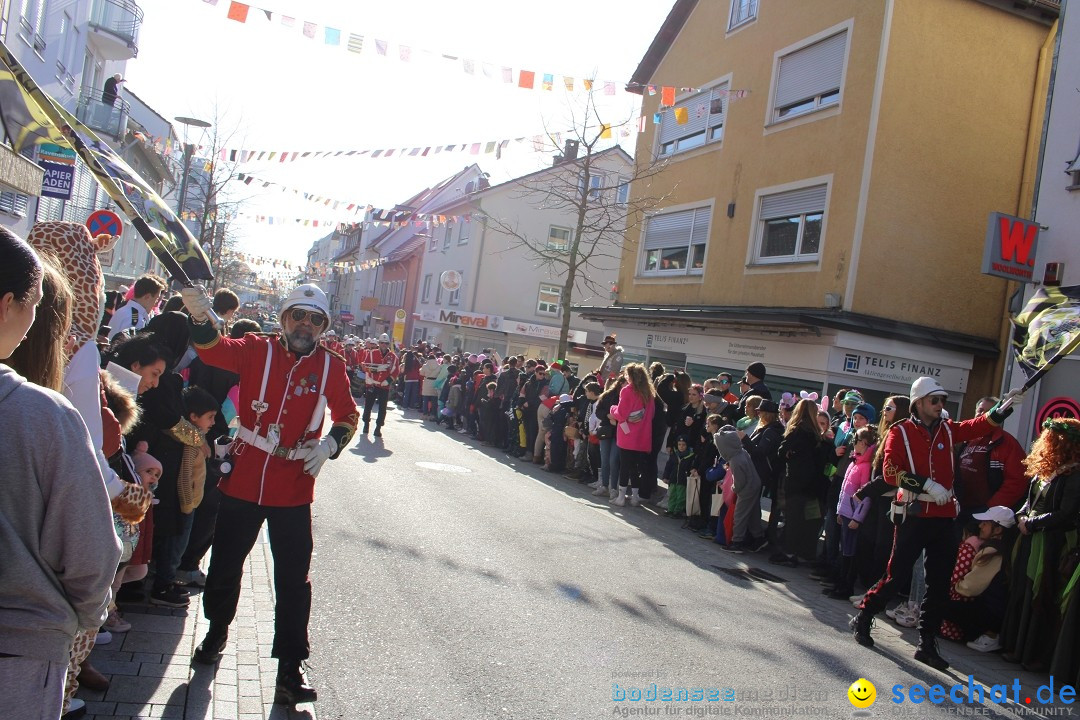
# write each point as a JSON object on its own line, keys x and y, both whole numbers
{"x": 263, "y": 443}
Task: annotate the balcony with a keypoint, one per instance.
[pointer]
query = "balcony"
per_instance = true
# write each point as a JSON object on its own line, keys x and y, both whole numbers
{"x": 107, "y": 120}
{"x": 114, "y": 28}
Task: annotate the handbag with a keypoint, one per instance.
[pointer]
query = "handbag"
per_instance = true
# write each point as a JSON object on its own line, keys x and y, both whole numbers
{"x": 717, "y": 500}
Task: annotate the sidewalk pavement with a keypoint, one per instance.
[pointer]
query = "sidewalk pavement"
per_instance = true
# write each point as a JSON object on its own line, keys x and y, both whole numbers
{"x": 150, "y": 665}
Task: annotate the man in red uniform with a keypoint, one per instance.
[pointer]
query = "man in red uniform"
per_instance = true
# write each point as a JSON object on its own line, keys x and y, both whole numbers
{"x": 286, "y": 383}
{"x": 380, "y": 365}
{"x": 919, "y": 462}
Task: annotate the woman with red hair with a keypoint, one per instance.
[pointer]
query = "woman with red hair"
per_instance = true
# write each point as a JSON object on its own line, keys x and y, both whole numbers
{"x": 1047, "y": 522}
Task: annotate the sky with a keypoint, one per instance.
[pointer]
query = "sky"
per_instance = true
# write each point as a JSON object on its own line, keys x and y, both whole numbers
{"x": 267, "y": 86}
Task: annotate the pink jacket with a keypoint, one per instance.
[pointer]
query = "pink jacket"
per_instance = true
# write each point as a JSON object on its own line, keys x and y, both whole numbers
{"x": 857, "y": 475}
{"x": 639, "y": 436}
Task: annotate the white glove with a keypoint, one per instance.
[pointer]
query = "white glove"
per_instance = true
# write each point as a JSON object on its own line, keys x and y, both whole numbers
{"x": 937, "y": 492}
{"x": 197, "y": 303}
{"x": 319, "y": 451}
{"x": 1013, "y": 397}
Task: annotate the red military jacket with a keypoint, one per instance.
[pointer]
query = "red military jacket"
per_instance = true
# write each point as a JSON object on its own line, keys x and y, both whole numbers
{"x": 931, "y": 456}
{"x": 292, "y": 392}
{"x": 374, "y": 358}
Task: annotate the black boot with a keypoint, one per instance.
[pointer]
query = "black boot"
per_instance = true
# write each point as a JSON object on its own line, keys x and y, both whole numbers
{"x": 378, "y": 430}
{"x": 927, "y": 653}
{"x": 860, "y": 627}
{"x": 291, "y": 688}
{"x": 209, "y": 652}
{"x": 366, "y": 425}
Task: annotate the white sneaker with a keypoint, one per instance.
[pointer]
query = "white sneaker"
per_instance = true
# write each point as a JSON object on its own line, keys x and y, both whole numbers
{"x": 620, "y": 499}
{"x": 612, "y": 494}
{"x": 104, "y": 637}
{"x": 116, "y": 624}
{"x": 594, "y": 485}
{"x": 635, "y": 499}
{"x": 908, "y": 619}
{"x": 600, "y": 491}
{"x": 76, "y": 708}
{"x": 985, "y": 643}
{"x": 660, "y": 498}
{"x": 856, "y": 600}
{"x": 662, "y": 504}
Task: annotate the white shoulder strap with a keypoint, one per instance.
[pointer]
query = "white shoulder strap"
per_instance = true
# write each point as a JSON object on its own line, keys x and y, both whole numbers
{"x": 907, "y": 447}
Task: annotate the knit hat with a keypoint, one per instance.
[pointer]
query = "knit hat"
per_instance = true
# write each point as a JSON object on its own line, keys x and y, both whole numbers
{"x": 756, "y": 369}
{"x": 867, "y": 411}
{"x": 145, "y": 461}
{"x": 713, "y": 398}
{"x": 852, "y": 398}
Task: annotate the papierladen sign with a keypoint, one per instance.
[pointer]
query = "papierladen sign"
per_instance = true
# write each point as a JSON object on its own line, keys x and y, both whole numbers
{"x": 1011, "y": 243}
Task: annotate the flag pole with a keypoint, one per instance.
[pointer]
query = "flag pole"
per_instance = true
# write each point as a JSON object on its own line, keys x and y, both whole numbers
{"x": 107, "y": 182}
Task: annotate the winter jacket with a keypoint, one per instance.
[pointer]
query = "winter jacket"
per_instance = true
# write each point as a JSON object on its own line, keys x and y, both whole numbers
{"x": 764, "y": 448}
{"x": 857, "y": 475}
{"x": 930, "y": 449}
{"x": 803, "y": 457}
{"x": 990, "y": 472}
{"x": 633, "y": 435}
{"x": 1057, "y": 507}
{"x": 506, "y": 385}
{"x": 611, "y": 364}
{"x": 557, "y": 384}
{"x": 58, "y": 545}
{"x": 684, "y": 463}
{"x": 746, "y": 482}
{"x": 604, "y": 428}
{"x": 695, "y": 433}
{"x": 429, "y": 371}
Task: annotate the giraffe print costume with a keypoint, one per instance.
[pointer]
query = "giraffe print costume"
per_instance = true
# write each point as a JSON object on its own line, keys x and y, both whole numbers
{"x": 77, "y": 252}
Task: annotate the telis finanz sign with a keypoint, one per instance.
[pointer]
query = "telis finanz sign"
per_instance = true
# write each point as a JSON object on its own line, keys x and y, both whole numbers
{"x": 1011, "y": 243}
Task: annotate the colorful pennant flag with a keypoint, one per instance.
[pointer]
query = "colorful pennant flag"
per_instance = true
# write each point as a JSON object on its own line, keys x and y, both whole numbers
{"x": 526, "y": 79}
{"x": 682, "y": 116}
{"x": 332, "y": 36}
{"x": 667, "y": 96}
{"x": 356, "y": 43}
{"x": 238, "y": 11}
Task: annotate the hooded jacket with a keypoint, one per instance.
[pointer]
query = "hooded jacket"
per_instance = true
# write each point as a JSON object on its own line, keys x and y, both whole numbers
{"x": 57, "y": 539}
{"x": 742, "y": 467}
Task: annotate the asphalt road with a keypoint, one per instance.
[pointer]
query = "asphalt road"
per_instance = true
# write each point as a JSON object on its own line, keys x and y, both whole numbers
{"x": 451, "y": 583}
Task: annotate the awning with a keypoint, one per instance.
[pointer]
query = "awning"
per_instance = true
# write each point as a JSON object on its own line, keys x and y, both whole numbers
{"x": 794, "y": 320}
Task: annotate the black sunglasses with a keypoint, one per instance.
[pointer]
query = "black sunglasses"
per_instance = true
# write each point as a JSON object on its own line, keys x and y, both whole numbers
{"x": 313, "y": 316}
{"x": 936, "y": 399}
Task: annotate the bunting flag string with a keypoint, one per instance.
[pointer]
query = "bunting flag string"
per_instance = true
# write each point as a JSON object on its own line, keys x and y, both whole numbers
{"x": 355, "y": 43}
{"x": 377, "y": 215}
{"x": 379, "y": 219}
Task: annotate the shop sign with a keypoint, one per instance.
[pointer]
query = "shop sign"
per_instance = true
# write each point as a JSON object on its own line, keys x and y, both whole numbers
{"x": 548, "y": 332}
{"x": 666, "y": 341}
{"x": 895, "y": 369}
{"x": 1010, "y": 247}
{"x": 463, "y": 319}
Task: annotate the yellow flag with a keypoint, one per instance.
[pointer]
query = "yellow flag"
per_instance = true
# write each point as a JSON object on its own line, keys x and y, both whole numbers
{"x": 605, "y": 131}
{"x": 682, "y": 116}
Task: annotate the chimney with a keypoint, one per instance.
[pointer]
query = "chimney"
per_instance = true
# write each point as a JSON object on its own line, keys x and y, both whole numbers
{"x": 569, "y": 153}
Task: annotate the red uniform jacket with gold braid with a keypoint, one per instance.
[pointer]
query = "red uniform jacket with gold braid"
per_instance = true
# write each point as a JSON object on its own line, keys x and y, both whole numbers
{"x": 292, "y": 391}
{"x": 932, "y": 457}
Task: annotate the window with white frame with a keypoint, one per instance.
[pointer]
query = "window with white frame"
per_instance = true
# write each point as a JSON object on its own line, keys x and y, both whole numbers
{"x": 32, "y": 23}
{"x": 675, "y": 242}
{"x": 809, "y": 78}
{"x": 426, "y": 295}
{"x": 438, "y": 292}
{"x": 704, "y": 121}
{"x": 447, "y": 235}
{"x": 463, "y": 232}
{"x": 549, "y": 300}
{"x": 789, "y": 225}
{"x": 558, "y": 238}
{"x": 433, "y": 241}
{"x": 13, "y": 203}
{"x": 596, "y": 186}
{"x": 742, "y": 11}
{"x": 622, "y": 192}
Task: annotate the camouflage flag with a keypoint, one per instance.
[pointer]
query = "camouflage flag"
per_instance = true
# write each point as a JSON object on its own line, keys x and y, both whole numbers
{"x": 31, "y": 117}
{"x": 1046, "y": 326}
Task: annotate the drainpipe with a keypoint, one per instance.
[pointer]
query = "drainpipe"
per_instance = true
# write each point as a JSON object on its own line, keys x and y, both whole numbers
{"x": 479, "y": 262}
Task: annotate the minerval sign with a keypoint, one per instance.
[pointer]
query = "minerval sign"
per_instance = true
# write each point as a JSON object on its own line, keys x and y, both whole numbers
{"x": 1011, "y": 243}
{"x": 463, "y": 319}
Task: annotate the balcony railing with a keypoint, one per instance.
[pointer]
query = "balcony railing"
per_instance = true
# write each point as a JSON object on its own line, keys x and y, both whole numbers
{"x": 101, "y": 117}
{"x": 121, "y": 18}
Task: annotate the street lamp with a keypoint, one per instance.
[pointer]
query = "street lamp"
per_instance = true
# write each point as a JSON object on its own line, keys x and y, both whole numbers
{"x": 189, "y": 150}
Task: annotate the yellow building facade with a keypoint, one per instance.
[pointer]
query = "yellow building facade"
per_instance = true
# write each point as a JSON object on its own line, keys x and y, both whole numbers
{"x": 829, "y": 170}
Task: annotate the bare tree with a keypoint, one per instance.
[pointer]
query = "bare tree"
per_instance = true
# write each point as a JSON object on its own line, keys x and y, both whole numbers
{"x": 214, "y": 198}
{"x": 603, "y": 217}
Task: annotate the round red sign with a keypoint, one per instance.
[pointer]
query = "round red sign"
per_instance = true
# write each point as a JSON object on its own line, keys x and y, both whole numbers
{"x": 1058, "y": 407}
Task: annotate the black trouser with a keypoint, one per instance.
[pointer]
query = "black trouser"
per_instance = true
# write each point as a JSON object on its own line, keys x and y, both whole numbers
{"x": 237, "y": 530}
{"x": 202, "y": 529}
{"x": 633, "y": 468}
{"x": 935, "y": 535}
{"x": 375, "y": 394}
{"x": 532, "y": 427}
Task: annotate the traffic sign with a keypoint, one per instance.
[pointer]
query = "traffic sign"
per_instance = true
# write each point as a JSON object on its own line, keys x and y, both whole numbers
{"x": 104, "y": 222}
{"x": 347, "y": 316}
{"x": 1054, "y": 408}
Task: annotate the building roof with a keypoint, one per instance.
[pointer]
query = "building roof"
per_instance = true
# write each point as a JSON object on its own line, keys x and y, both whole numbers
{"x": 811, "y": 320}
{"x": 408, "y": 248}
{"x": 673, "y": 24}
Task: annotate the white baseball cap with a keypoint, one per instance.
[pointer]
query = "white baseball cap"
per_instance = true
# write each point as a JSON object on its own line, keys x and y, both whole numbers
{"x": 924, "y": 387}
{"x": 564, "y": 398}
{"x": 999, "y": 515}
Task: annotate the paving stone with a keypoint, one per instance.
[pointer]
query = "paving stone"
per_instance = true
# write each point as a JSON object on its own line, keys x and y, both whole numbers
{"x": 140, "y": 689}
{"x": 160, "y": 643}
{"x": 116, "y": 667}
{"x": 144, "y": 657}
{"x": 226, "y": 677}
{"x": 97, "y": 707}
{"x": 250, "y": 688}
{"x": 157, "y": 623}
{"x": 175, "y": 672}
